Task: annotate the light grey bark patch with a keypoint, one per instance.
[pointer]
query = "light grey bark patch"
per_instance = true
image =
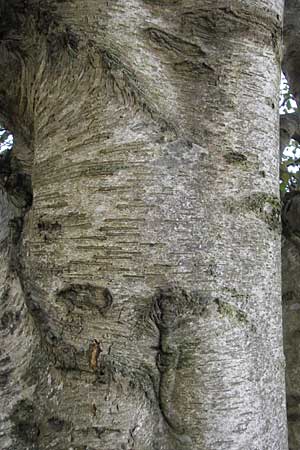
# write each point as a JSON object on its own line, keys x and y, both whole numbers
{"x": 183, "y": 154}
{"x": 86, "y": 296}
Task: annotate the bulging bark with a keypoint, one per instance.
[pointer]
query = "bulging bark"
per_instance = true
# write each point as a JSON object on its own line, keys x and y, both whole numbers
{"x": 148, "y": 264}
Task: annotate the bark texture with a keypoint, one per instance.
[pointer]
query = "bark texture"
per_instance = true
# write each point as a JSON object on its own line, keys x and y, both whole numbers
{"x": 141, "y": 286}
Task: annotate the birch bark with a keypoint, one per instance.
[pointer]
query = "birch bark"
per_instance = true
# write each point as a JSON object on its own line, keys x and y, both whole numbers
{"x": 141, "y": 289}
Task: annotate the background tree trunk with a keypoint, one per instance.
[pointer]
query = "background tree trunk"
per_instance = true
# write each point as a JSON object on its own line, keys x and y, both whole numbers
{"x": 291, "y": 228}
{"x": 141, "y": 290}
{"x": 291, "y": 306}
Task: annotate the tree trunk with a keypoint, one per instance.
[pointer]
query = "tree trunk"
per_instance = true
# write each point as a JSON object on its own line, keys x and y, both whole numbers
{"x": 291, "y": 229}
{"x": 141, "y": 290}
{"x": 291, "y": 307}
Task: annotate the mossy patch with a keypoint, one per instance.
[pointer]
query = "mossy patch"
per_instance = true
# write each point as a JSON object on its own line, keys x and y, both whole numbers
{"x": 235, "y": 158}
{"x": 266, "y": 207}
{"x": 232, "y": 312}
{"x": 235, "y": 294}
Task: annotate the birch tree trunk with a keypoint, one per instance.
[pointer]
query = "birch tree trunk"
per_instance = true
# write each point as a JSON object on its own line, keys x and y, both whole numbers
{"x": 140, "y": 255}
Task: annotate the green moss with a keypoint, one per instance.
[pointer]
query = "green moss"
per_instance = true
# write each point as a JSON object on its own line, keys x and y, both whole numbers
{"x": 235, "y": 158}
{"x": 258, "y": 200}
{"x": 230, "y": 311}
{"x": 235, "y": 294}
{"x": 268, "y": 207}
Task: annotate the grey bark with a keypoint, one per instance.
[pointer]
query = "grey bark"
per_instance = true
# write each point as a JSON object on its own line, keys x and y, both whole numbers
{"x": 141, "y": 288}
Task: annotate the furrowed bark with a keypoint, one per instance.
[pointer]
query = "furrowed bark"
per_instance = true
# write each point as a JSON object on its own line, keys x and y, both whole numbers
{"x": 149, "y": 259}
